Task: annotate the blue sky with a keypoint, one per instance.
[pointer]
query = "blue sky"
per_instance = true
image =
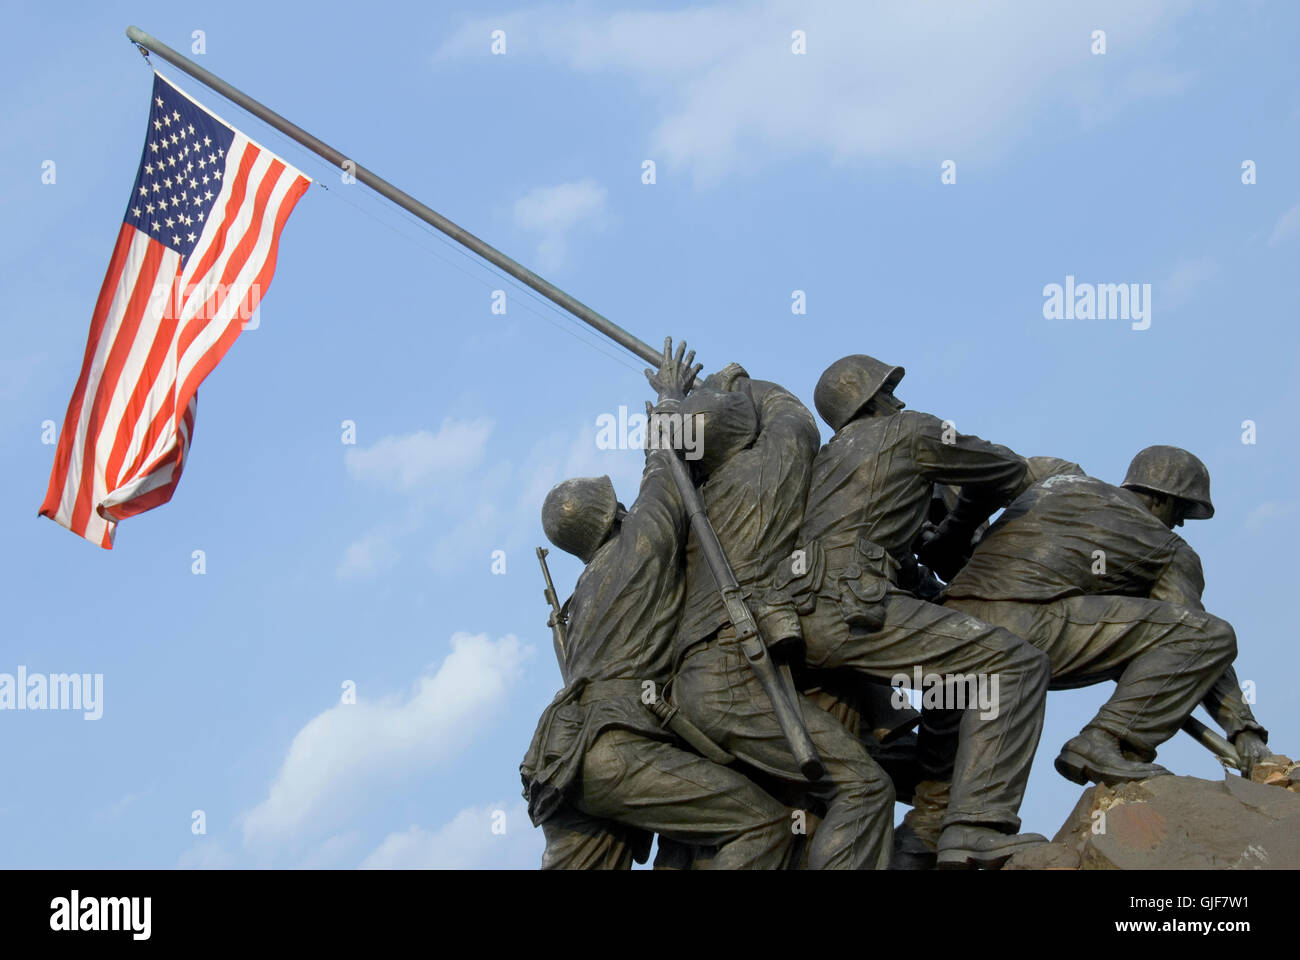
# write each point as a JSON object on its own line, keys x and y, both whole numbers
{"x": 329, "y": 563}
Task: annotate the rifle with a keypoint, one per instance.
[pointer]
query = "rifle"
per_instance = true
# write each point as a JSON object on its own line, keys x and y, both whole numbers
{"x": 661, "y": 708}
{"x": 556, "y": 620}
{"x": 777, "y": 682}
{"x": 1216, "y": 744}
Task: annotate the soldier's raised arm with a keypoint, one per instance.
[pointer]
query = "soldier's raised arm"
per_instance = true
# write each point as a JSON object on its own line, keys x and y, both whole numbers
{"x": 657, "y": 518}
{"x": 1182, "y": 582}
{"x": 989, "y": 475}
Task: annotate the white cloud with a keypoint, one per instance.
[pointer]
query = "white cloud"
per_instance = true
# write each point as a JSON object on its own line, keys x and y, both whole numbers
{"x": 115, "y": 810}
{"x": 207, "y": 853}
{"x": 585, "y": 459}
{"x": 505, "y": 508}
{"x": 332, "y": 853}
{"x": 1288, "y": 225}
{"x": 495, "y": 506}
{"x": 914, "y": 83}
{"x": 1269, "y": 513}
{"x": 344, "y": 754}
{"x": 477, "y": 510}
{"x": 465, "y": 541}
{"x": 434, "y": 471}
{"x": 367, "y": 557}
{"x": 1183, "y": 282}
{"x": 410, "y": 461}
{"x": 554, "y": 212}
{"x": 467, "y": 842}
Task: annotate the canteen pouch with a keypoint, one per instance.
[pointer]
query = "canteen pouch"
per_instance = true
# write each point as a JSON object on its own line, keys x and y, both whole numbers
{"x": 863, "y": 588}
{"x": 862, "y": 601}
{"x": 877, "y": 560}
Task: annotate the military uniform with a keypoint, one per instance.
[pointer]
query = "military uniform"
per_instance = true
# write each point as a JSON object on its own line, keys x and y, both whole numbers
{"x": 755, "y": 501}
{"x": 1085, "y": 572}
{"x": 868, "y": 500}
{"x": 599, "y": 756}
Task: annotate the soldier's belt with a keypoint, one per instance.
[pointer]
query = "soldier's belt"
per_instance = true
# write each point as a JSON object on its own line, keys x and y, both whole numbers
{"x": 609, "y": 690}
{"x": 666, "y": 713}
{"x": 723, "y": 635}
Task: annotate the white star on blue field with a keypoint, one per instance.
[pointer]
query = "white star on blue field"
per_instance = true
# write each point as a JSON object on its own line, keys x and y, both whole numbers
{"x": 176, "y": 173}
{"x": 385, "y": 429}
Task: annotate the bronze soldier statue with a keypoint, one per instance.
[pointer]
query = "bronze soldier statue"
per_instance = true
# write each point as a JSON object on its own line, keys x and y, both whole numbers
{"x": 868, "y": 500}
{"x": 758, "y": 444}
{"x": 1093, "y": 575}
{"x": 602, "y": 772}
{"x": 917, "y": 837}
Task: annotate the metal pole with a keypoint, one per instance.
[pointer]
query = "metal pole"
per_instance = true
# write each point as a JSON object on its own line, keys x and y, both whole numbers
{"x": 784, "y": 698}
{"x": 404, "y": 200}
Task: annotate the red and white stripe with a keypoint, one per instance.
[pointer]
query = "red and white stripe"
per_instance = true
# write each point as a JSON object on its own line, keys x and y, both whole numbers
{"x": 158, "y": 329}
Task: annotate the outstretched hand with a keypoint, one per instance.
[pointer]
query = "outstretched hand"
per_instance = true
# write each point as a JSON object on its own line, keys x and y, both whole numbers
{"x": 676, "y": 374}
{"x": 1251, "y": 749}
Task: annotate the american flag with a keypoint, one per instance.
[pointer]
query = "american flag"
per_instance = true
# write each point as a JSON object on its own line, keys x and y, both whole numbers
{"x": 193, "y": 259}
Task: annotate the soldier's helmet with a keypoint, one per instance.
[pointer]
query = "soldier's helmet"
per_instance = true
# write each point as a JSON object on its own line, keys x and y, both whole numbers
{"x": 726, "y": 422}
{"x": 1175, "y": 472}
{"x": 577, "y": 514}
{"x": 849, "y": 384}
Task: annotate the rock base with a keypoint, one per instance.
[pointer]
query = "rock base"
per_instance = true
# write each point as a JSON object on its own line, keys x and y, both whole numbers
{"x": 1181, "y": 823}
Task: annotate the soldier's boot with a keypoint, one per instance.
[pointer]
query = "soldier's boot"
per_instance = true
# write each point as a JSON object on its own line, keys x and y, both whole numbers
{"x": 911, "y": 851}
{"x": 1095, "y": 756}
{"x": 917, "y": 840}
{"x": 963, "y": 846}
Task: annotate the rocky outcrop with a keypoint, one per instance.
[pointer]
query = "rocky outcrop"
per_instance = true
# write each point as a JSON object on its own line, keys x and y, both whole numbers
{"x": 1181, "y": 823}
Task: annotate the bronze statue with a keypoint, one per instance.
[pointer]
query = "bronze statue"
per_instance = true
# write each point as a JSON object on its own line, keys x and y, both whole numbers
{"x": 1093, "y": 575}
{"x": 602, "y": 772}
{"x": 759, "y": 441}
{"x": 768, "y": 566}
{"x": 868, "y": 499}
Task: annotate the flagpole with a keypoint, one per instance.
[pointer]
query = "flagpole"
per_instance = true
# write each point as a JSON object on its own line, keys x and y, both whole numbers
{"x": 400, "y": 197}
{"x": 776, "y": 684}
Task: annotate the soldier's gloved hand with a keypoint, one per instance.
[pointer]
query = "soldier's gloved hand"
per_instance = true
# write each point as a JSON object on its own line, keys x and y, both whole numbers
{"x": 653, "y": 442}
{"x": 660, "y": 432}
{"x": 945, "y": 550}
{"x": 1251, "y": 749}
{"x": 676, "y": 375}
